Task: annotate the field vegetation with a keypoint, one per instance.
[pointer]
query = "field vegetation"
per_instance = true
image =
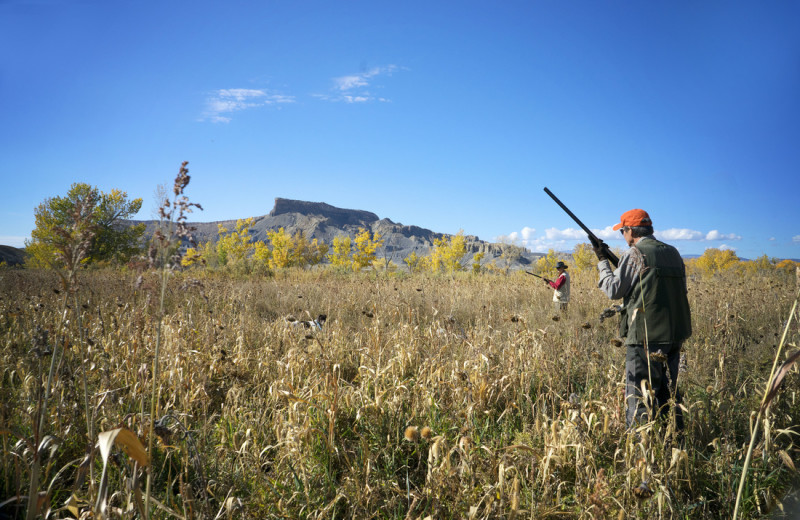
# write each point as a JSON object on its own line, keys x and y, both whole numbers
{"x": 441, "y": 396}
{"x": 185, "y": 383}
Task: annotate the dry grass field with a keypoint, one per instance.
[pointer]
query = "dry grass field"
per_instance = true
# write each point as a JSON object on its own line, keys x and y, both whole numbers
{"x": 421, "y": 397}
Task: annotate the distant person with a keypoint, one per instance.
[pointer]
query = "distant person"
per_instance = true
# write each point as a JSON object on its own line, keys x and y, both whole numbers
{"x": 561, "y": 288}
{"x": 651, "y": 280}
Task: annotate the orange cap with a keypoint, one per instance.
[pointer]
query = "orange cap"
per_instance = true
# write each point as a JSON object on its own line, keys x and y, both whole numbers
{"x": 634, "y": 217}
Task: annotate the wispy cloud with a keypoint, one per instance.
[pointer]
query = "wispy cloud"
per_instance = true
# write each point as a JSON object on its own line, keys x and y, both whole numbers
{"x": 224, "y": 102}
{"x": 356, "y": 88}
{"x": 796, "y": 239}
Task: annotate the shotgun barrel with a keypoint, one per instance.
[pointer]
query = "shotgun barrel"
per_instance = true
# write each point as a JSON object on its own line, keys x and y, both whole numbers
{"x": 611, "y": 256}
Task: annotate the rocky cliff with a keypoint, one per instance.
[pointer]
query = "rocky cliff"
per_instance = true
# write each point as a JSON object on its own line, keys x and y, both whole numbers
{"x": 321, "y": 221}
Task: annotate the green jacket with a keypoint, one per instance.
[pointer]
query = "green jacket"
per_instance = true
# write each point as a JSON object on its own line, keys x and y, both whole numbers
{"x": 656, "y": 309}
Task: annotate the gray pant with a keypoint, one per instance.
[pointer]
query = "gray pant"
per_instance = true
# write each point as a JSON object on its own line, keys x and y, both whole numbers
{"x": 663, "y": 376}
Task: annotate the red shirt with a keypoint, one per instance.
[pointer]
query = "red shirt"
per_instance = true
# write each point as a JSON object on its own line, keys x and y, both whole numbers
{"x": 561, "y": 280}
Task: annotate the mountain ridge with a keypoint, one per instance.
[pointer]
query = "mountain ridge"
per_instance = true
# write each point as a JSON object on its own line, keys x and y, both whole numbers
{"x": 322, "y": 221}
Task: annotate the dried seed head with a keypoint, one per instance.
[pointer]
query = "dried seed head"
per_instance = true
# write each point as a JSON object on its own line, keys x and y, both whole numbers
{"x": 412, "y": 434}
{"x": 643, "y": 491}
{"x": 426, "y": 433}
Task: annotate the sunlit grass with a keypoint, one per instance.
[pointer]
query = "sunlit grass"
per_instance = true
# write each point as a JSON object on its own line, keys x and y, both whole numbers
{"x": 441, "y": 396}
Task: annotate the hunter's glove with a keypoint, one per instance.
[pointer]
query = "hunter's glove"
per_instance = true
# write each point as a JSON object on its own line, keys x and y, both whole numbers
{"x": 600, "y": 248}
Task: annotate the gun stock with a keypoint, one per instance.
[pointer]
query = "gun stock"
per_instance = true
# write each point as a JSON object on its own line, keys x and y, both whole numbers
{"x": 611, "y": 256}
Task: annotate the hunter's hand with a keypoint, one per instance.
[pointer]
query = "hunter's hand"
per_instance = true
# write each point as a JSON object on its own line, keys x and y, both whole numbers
{"x": 600, "y": 249}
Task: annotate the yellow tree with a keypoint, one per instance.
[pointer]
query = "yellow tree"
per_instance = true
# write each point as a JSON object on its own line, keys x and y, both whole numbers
{"x": 262, "y": 254}
{"x": 415, "y": 262}
{"x": 234, "y": 246}
{"x": 547, "y": 262}
{"x": 446, "y": 253}
{"x": 282, "y": 243}
{"x": 763, "y": 263}
{"x": 300, "y": 249}
{"x": 786, "y": 265}
{"x": 584, "y": 257}
{"x": 452, "y": 253}
{"x": 476, "y": 262}
{"x": 340, "y": 256}
{"x": 366, "y": 246}
{"x": 435, "y": 256}
{"x": 715, "y": 260}
{"x": 192, "y": 257}
{"x": 316, "y": 252}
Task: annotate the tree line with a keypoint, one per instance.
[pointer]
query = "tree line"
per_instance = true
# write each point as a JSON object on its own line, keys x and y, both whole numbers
{"x": 86, "y": 226}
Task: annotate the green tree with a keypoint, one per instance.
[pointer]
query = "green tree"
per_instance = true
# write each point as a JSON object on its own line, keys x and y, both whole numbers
{"x": 84, "y": 226}
{"x": 115, "y": 242}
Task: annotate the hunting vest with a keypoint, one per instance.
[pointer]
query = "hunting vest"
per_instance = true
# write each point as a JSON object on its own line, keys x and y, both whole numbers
{"x": 656, "y": 309}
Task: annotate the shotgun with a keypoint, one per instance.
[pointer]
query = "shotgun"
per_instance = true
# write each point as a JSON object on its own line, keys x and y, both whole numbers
{"x": 592, "y": 237}
{"x": 537, "y": 276}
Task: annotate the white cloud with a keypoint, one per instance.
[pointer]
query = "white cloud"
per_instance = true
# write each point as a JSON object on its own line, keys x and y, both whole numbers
{"x": 607, "y": 233}
{"x": 353, "y": 88}
{"x": 350, "y": 82}
{"x": 355, "y": 99}
{"x": 680, "y": 234}
{"x": 796, "y": 239}
{"x": 518, "y": 237}
{"x": 716, "y": 235}
{"x": 564, "y": 234}
{"x": 726, "y": 246}
{"x": 694, "y": 235}
{"x": 566, "y": 239}
{"x": 221, "y": 103}
{"x": 528, "y": 233}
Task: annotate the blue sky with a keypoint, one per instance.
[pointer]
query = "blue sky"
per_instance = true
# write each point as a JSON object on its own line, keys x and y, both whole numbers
{"x": 446, "y": 115}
